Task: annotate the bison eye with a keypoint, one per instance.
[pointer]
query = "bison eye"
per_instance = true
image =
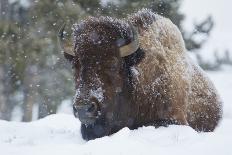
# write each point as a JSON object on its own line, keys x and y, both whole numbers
{"x": 113, "y": 68}
{"x": 76, "y": 63}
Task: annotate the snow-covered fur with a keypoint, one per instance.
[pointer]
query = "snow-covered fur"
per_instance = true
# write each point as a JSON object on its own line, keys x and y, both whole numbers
{"x": 157, "y": 85}
{"x": 171, "y": 82}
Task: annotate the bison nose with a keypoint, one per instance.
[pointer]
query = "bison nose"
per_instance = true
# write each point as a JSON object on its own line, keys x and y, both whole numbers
{"x": 85, "y": 111}
{"x": 89, "y": 107}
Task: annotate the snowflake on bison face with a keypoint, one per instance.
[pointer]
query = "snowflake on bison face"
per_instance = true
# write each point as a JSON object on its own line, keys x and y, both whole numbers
{"x": 135, "y": 72}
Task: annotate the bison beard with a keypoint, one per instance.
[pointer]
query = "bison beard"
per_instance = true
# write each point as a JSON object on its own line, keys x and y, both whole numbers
{"x": 135, "y": 72}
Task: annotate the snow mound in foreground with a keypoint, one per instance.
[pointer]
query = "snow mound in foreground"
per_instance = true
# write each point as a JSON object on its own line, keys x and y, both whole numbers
{"x": 60, "y": 135}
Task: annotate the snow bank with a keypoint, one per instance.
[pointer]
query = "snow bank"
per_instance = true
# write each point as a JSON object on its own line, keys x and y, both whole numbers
{"x": 60, "y": 134}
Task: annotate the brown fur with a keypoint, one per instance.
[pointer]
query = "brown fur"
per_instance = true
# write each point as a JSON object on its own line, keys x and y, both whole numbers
{"x": 168, "y": 88}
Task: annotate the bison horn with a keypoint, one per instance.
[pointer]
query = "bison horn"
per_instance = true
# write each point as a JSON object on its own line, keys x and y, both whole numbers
{"x": 132, "y": 46}
{"x": 65, "y": 44}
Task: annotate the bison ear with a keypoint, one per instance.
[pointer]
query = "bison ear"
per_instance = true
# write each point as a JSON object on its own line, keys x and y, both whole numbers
{"x": 66, "y": 44}
{"x": 69, "y": 57}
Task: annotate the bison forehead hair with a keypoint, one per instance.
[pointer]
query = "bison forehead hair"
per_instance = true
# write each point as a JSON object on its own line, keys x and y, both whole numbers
{"x": 101, "y": 33}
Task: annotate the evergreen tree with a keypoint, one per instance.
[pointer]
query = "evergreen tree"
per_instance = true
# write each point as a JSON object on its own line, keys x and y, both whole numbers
{"x": 32, "y": 62}
{"x": 54, "y": 75}
{"x": 12, "y": 61}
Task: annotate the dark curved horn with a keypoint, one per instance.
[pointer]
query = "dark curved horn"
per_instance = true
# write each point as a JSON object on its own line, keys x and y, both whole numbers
{"x": 132, "y": 46}
{"x": 65, "y": 44}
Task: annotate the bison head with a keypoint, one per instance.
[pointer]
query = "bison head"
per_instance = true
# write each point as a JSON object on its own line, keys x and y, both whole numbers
{"x": 99, "y": 52}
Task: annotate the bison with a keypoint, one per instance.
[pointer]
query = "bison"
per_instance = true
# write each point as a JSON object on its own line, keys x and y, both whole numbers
{"x": 135, "y": 72}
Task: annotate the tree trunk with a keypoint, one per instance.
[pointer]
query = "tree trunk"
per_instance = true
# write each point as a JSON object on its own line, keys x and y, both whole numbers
{"x": 4, "y": 10}
{"x": 30, "y": 89}
{"x": 6, "y": 104}
{"x": 3, "y": 105}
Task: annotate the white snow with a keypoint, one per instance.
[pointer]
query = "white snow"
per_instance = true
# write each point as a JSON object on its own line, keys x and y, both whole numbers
{"x": 59, "y": 134}
{"x": 134, "y": 71}
{"x": 65, "y": 107}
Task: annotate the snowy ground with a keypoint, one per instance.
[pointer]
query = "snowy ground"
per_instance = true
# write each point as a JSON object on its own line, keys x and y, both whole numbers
{"x": 60, "y": 134}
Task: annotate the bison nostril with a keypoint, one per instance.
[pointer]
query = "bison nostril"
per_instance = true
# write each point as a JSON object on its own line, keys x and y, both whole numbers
{"x": 91, "y": 108}
{"x": 75, "y": 111}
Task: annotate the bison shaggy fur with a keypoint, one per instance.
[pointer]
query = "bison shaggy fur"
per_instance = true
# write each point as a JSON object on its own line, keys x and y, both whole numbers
{"x": 156, "y": 85}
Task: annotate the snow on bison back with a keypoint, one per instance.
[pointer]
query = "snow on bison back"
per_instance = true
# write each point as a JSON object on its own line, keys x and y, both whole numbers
{"x": 135, "y": 72}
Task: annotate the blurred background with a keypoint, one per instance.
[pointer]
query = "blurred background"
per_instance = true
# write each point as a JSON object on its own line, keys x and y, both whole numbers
{"x": 36, "y": 80}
